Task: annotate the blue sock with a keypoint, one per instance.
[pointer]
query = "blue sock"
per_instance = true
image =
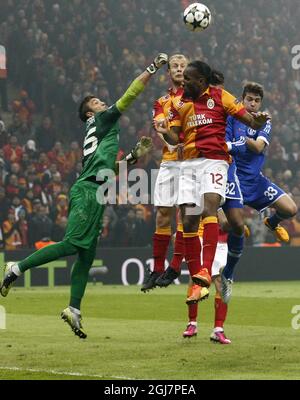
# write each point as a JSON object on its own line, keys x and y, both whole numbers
{"x": 275, "y": 220}
{"x": 235, "y": 250}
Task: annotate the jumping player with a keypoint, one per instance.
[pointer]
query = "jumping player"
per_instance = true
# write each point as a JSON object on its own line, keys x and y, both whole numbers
{"x": 166, "y": 188}
{"x": 85, "y": 211}
{"x": 248, "y": 147}
{"x": 201, "y": 115}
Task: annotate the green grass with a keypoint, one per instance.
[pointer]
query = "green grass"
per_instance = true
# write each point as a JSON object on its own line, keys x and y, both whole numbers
{"x": 138, "y": 336}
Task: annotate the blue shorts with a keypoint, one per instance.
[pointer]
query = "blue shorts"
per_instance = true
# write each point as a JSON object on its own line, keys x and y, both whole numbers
{"x": 234, "y": 197}
{"x": 261, "y": 194}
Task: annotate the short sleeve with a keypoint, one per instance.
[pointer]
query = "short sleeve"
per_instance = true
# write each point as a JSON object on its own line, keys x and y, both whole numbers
{"x": 158, "y": 111}
{"x": 231, "y": 105}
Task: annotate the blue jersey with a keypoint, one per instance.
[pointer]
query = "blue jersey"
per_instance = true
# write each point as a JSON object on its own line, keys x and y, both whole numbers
{"x": 258, "y": 191}
{"x": 249, "y": 164}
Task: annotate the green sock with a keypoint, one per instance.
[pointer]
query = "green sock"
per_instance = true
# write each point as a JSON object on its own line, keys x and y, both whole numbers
{"x": 47, "y": 254}
{"x": 80, "y": 275}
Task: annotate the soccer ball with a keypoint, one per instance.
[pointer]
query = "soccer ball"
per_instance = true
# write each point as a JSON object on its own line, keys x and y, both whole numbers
{"x": 197, "y": 17}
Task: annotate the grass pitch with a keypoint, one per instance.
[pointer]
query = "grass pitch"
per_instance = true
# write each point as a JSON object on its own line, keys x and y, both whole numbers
{"x": 132, "y": 335}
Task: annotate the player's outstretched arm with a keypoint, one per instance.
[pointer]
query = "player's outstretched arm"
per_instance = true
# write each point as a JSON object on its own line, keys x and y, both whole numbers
{"x": 138, "y": 85}
{"x": 255, "y": 120}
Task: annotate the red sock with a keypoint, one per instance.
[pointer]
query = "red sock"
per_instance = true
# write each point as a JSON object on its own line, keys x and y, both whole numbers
{"x": 210, "y": 241}
{"x": 160, "y": 248}
{"x": 192, "y": 308}
{"x": 220, "y": 312}
{"x": 192, "y": 251}
{"x": 178, "y": 252}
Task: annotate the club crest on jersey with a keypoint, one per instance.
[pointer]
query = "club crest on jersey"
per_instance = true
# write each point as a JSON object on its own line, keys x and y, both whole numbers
{"x": 180, "y": 104}
{"x": 170, "y": 115}
{"x": 251, "y": 132}
{"x": 210, "y": 104}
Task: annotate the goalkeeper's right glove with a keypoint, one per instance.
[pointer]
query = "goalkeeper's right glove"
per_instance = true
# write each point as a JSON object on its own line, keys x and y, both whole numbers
{"x": 158, "y": 62}
{"x": 238, "y": 147}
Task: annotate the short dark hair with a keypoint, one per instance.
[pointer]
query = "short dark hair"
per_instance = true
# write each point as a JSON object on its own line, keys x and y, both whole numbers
{"x": 253, "y": 87}
{"x": 84, "y": 108}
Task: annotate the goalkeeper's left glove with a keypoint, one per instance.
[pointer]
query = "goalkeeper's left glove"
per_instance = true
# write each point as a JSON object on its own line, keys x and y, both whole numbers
{"x": 158, "y": 62}
{"x": 238, "y": 147}
{"x": 143, "y": 146}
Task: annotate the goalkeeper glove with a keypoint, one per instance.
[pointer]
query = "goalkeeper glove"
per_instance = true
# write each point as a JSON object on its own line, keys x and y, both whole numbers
{"x": 238, "y": 147}
{"x": 158, "y": 62}
{"x": 143, "y": 146}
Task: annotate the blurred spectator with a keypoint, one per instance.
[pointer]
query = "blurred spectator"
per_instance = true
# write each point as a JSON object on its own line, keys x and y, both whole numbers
{"x": 4, "y": 205}
{"x": 13, "y": 151}
{"x": 294, "y": 229}
{"x": 12, "y": 237}
{"x": 59, "y": 229}
{"x": 45, "y": 135}
{"x": 24, "y": 108}
{"x": 3, "y": 133}
{"x": 107, "y": 236}
{"x": 3, "y": 78}
{"x": 40, "y": 226}
{"x": 60, "y": 208}
{"x": 3, "y": 172}
{"x": 22, "y": 226}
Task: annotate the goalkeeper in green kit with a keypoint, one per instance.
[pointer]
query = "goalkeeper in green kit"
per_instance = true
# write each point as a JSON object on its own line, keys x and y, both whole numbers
{"x": 100, "y": 150}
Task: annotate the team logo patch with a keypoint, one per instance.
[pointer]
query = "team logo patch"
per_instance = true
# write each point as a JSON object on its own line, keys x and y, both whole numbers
{"x": 210, "y": 104}
{"x": 180, "y": 104}
{"x": 251, "y": 132}
{"x": 170, "y": 116}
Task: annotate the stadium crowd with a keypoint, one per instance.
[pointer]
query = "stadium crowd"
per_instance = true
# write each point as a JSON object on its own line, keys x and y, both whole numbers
{"x": 59, "y": 52}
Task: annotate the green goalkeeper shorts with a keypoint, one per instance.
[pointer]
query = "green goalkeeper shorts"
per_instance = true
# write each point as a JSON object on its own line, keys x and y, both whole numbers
{"x": 85, "y": 215}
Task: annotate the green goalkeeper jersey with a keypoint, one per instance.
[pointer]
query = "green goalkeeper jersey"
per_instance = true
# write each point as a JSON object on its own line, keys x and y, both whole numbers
{"x": 101, "y": 144}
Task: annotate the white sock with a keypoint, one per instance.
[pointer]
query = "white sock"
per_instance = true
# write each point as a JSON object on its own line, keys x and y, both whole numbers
{"x": 216, "y": 330}
{"x": 194, "y": 323}
{"x": 75, "y": 310}
{"x": 16, "y": 270}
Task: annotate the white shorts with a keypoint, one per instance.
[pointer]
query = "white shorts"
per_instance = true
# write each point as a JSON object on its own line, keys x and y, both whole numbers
{"x": 167, "y": 184}
{"x": 220, "y": 259}
{"x": 201, "y": 176}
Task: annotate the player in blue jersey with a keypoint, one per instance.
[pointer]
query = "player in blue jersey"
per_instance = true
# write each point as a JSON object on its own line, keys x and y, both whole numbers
{"x": 248, "y": 148}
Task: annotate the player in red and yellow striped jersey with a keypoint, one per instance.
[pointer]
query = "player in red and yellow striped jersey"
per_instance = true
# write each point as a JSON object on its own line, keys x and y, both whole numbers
{"x": 166, "y": 189}
{"x": 201, "y": 116}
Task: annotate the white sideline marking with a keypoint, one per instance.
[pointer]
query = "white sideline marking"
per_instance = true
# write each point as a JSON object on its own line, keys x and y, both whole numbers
{"x": 53, "y": 372}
